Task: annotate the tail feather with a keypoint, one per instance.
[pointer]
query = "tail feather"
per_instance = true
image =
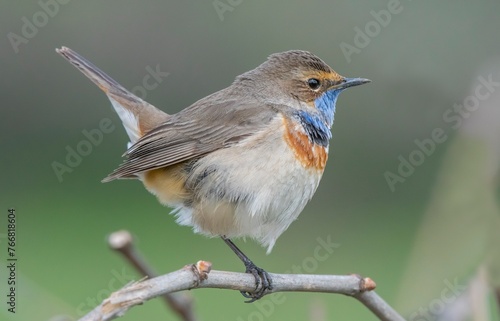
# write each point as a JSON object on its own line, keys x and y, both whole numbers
{"x": 138, "y": 117}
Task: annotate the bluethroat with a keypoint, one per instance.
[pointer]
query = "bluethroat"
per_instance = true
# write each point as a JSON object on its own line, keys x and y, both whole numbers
{"x": 241, "y": 162}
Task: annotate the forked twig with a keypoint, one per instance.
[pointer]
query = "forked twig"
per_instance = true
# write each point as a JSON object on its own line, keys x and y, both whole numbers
{"x": 200, "y": 276}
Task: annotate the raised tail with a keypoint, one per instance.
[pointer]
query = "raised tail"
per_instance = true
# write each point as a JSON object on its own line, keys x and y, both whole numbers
{"x": 138, "y": 117}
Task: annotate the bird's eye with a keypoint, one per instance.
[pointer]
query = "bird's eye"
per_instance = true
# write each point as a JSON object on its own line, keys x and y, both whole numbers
{"x": 313, "y": 83}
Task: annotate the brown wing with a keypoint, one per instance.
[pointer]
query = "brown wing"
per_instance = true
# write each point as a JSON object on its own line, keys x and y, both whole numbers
{"x": 192, "y": 133}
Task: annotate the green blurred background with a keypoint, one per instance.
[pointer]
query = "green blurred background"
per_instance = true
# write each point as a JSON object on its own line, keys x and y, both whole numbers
{"x": 437, "y": 226}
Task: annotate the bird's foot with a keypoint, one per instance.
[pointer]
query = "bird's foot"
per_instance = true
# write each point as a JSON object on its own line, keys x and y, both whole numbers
{"x": 263, "y": 282}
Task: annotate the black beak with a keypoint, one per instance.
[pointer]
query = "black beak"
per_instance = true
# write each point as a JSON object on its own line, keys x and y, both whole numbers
{"x": 351, "y": 82}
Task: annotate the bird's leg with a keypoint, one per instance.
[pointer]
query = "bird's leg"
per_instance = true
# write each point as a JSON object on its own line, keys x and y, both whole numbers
{"x": 263, "y": 281}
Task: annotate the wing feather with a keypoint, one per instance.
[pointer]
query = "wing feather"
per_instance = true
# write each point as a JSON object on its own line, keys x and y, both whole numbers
{"x": 193, "y": 133}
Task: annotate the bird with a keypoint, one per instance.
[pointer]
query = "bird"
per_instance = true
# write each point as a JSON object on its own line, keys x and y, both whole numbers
{"x": 242, "y": 162}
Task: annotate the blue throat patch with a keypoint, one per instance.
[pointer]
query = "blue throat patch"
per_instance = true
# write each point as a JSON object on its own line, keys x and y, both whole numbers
{"x": 326, "y": 105}
{"x": 317, "y": 126}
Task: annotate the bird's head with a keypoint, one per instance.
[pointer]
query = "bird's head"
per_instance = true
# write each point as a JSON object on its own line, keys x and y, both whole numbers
{"x": 301, "y": 75}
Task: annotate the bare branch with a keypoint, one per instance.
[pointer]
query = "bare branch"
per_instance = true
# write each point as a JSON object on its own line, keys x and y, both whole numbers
{"x": 123, "y": 242}
{"x": 378, "y": 306}
{"x": 196, "y": 276}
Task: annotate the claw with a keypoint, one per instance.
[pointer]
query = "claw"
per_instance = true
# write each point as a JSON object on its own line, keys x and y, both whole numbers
{"x": 263, "y": 282}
